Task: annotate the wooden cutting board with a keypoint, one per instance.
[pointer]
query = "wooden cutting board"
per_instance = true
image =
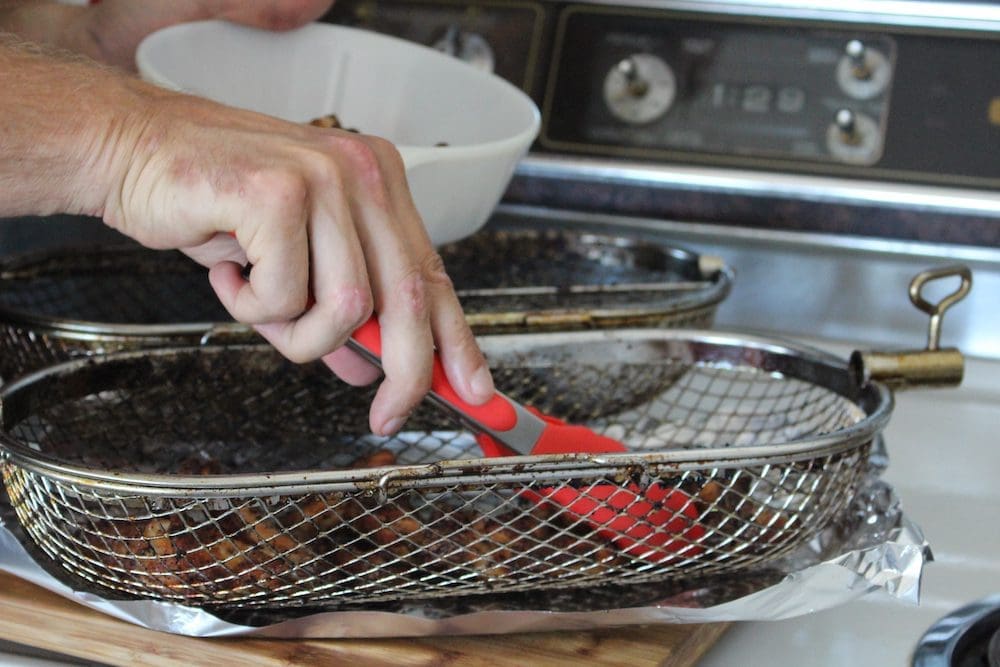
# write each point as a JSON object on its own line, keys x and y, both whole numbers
{"x": 36, "y": 617}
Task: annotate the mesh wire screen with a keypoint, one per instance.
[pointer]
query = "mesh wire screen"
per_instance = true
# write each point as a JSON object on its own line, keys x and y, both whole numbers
{"x": 111, "y": 285}
{"x": 402, "y": 528}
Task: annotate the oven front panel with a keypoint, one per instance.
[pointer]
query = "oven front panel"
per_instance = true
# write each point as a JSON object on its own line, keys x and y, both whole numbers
{"x": 794, "y": 96}
{"x": 915, "y": 101}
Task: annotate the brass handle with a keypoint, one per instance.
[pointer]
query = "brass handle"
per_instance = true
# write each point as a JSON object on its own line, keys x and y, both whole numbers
{"x": 937, "y": 310}
{"x": 932, "y": 366}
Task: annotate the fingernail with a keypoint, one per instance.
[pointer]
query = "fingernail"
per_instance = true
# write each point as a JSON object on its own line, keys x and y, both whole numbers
{"x": 391, "y": 426}
{"x": 481, "y": 383}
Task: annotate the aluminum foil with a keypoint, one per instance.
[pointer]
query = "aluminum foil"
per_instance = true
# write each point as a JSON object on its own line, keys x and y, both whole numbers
{"x": 872, "y": 549}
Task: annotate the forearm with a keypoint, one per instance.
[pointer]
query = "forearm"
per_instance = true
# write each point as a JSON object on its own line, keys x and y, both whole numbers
{"x": 62, "y": 119}
{"x": 45, "y": 22}
{"x": 111, "y": 30}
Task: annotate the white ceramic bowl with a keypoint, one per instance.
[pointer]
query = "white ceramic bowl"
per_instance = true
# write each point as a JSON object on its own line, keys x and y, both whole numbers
{"x": 410, "y": 94}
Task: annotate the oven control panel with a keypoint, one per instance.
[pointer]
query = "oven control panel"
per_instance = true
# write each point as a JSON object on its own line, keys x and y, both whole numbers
{"x": 669, "y": 83}
{"x": 638, "y": 84}
{"x": 505, "y": 37}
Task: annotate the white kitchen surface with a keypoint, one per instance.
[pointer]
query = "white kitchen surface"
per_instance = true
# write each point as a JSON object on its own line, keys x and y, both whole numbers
{"x": 944, "y": 448}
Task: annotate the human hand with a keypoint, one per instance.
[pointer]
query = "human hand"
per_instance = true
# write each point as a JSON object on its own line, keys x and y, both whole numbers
{"x": 111, "y": 30}
{"x": 326, "y": 219}
{"x": 322, "y": 214}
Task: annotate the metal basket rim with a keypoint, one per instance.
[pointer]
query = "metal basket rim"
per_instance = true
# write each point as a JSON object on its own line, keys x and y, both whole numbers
{"x": 388, "y": 480}
{"x": 380, "y": 480}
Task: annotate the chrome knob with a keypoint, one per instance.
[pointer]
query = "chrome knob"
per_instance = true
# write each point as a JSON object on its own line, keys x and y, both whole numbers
{"x": 468, "y": 46}
{"x": 857, "y": 53}
{"x": 846, "y": 121}
{"x": 863, "y": 72}
{"x": 640, "y": 88}
{"x": 854, "y": 138}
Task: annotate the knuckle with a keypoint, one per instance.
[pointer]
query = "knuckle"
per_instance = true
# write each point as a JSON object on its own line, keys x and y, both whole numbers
{"x": 354, "y": 305}
{"x": 434, "y": 271}
{"x": 362, "y": 157}
{"x": 285, "y": 191}
{"x": 388, "y": 153}
{"x": 411, "y": 292}
{"x": 326, "y": 169}
{"x": 297, "y": 354}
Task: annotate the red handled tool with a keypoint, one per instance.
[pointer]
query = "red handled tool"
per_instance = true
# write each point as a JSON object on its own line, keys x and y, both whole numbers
{"x": 654, "y": 523}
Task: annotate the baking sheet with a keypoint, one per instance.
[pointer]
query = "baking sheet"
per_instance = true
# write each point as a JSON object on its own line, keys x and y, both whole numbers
{"x": 873, "y": 549}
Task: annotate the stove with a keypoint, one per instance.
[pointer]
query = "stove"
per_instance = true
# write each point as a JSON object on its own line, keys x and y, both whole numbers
{"x": 968, "y": 637}
{"x": 827, "y": 151}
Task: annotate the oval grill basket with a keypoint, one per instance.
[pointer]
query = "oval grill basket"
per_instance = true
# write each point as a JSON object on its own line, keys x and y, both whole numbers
{"x": 62, "y": 305}
{"x": 515, "y": 277}
{"x": 228, "y": 477}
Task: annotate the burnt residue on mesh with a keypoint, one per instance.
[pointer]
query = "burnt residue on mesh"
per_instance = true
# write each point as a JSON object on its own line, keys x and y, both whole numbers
{"x": 112, "y": 285}
{"x": 564, "y": 260}
{"x": 245, "y": 410}
{"x": 520, "y": 258}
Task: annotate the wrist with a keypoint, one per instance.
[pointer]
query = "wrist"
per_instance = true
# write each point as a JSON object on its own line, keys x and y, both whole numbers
{"x": 69, "y": 126}
{"x": 108, "y": 137}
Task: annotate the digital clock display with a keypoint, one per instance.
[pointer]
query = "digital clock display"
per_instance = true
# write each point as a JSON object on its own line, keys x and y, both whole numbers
{"x": 756, "y": 98}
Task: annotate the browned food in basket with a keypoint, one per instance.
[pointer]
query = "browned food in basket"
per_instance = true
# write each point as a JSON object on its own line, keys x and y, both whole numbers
{"x": 542, "y": 541}
{"x": 164, "y": 554}
{"x": 199, "y": 465}
{"x": 357, "y": 541}
{"x": 255, "y": 546}
{"x": 247, "y": 546}
{"x": 442, "y": 538}
{"x": 381, "y": 457}
{"x": 723, "y": 503}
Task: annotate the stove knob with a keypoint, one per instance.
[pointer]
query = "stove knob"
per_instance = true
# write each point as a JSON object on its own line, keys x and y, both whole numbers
{"x": 640, "y": 89}
{"x": 847, "y": 122}
{"x": 863, "y": 72}
{"x": 854, "y": 138}
{"x": 468, "y": 46}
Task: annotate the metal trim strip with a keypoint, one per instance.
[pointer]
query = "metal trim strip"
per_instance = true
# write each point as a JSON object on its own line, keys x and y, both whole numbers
{"x": 766, "y": 184}
{"x": 938, "y": 16}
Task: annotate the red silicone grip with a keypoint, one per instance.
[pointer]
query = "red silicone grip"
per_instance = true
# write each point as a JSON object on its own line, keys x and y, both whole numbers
{"x": 496, "y": 414}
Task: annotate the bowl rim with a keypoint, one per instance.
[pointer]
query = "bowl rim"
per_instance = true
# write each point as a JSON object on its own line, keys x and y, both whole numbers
{"x": 421, "y": 153}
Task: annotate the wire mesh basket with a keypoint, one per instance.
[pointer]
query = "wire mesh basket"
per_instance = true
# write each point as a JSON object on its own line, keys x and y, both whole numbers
{"x": 69, "y": 303}
{"x": 63, "y": 304}
{"x": 518, "y": 277}
{"x": 227, "y": 477}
